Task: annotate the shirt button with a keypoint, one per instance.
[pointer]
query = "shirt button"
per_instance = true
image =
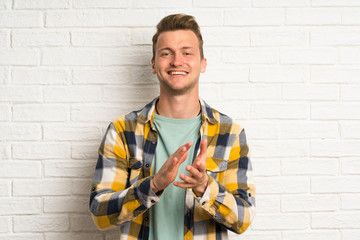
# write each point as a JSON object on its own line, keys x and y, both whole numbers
{"x": 146, "y": 218}
{"x": 147, "y": 165}
{"x": 152, "y": 201}
{"x": 203, "y": 203}
{"x": 93, "y": 188}
{"x": 152, "y": 142}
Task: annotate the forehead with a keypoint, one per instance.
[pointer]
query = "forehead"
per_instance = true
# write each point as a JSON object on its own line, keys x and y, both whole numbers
{"x": 177, "y": 39}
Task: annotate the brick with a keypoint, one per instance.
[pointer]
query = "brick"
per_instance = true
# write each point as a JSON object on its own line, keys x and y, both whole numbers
{"x": 337, "y": 148}
{"x": 251, "y": 92}
{"x": 74, "y": 57}
{"x": 40, "y": 76}
{"x": 142, "y": 75}
{"x": 72, "y": 94}
{"x": 84, "y": 150}
{"x": 350, "y": 234}
{"x": 21, "y": 19}
{"x": 66, "y": 204}
{"x": 309, "y": 203}
{"x": 335, "y": 37}
{"x": 5, "y": 188}
{"x": 350, "y": 130}
{"x": 350, "y": 92}
{"x": 314, "y": 166}
{"x": 351, "y": 16}
{"x": 4, "y": 39}
{"x": 209, "y": 92}
{"x": 126, "y": 94}
{"x": 335, "y": 3}
{"x": 76, "y": 236}
{"x": 5, "y": 4}
{"x": 43, "y": 150}
{"x": 350, "y": 165}
{"x": 280, "y": 3}
{"x": 133, "y": 56}
{"x": 280, "y": 185}
{"x": 42, "y": 4}
{"x": 20, "y": 94}
{"x": 43, "y": 187}
{"x": 350, "y": 201}
{"x": 217, "y": 4}
{"x": 40, "y": 38}
{"x": 279, "y": 111}
{"x": 350, "y": 55}
{"x": 67, "y": 132}
{"x": 335, "y": 220}
{"x": 284, "y": 74}
{"x": 312, "y": 235}
{"x": 308, "y": 56}
{"x": 261, "y": 130}
{"x": 108, "y": 76}
{"x": 82, "y": 223}
{"x": 101, "y": 4}
{"x": 336, "y": 184}
{"x": 20, "y": 169}
{"x": 312, "y": 16}
{"x": 21, "y": 236}
{"x": 4, "y": 112}
{"x": 82, "y": 187}
{"x": 5, "y": 224}
{"x": 130, "y": 18}
{"x": 229, "y": 73}
{"x": 41, "y": 223}
{"x": 4, "y": 75}
{"x": 204, "y": 16}
{"x": 17, "y": 57}
{"x": 40, "y": 112}
{"x": 88, "y": 18}
{"x": 10, "y": 132}
{"x": 225, "y": 37}
{"x": 279, "y": 148}
{"x": 335, "y": 111}
{"x": 5, "y": 151}
{"x": 15, "y": 205}
{"x": 235, "y": 109}
{"x": 101, "y": 38}
{"x": 308, "y": 129}
{"x": 253, "y": 17}
{"x": 251, "y": 56}
{"x": 335, "y": 74}
{"x": 276, "y": 37}
{"x": 160, "y": 4}
{"x": 142, "y": 36}
{"x": 285, "y": 221}
{"x": 79, "y": 169}
{"x": 267, "y": 204}
{"x": 310, "y": 92}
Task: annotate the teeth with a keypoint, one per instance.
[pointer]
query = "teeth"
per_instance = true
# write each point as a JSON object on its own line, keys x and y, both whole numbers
{"x": 178, "y": 73}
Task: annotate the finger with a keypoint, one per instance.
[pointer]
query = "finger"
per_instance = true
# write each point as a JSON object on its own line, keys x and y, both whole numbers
{"x": 183, "y": 185}
{"x": 194, "y": 172}
{"x": 188, "y": 179}
{"x": 182, "y": 150}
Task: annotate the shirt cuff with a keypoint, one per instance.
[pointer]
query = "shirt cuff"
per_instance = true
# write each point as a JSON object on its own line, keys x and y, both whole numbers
{"x": 145, "y": 193}
{"x": 205, "y": 197}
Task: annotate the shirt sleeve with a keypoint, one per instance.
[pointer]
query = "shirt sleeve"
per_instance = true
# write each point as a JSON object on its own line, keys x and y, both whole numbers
{"x": 232, "y": 203}
{"x": 114, "y": 198}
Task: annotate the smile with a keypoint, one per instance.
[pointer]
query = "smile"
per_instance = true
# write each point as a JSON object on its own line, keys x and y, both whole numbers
{"x": 177, "y": 73}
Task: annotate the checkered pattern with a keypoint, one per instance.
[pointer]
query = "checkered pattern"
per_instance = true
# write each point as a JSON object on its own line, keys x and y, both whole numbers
{"x": 121, "y": 193}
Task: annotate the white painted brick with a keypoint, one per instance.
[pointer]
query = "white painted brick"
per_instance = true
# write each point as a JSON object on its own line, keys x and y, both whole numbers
{"x": 335, "y": 37}
{"x": 308, "y": 129}
{"x": 217, "y": 4}
{"x": 20, "y": 94}
{"x": 40, "y": 112}
{"x": 214, "y": 56}
{"x": 314, "y": 166}
{"x": 350, "y": 234}
{"x": 130, "y": 18}
{"x": 350, "y": 92}
{"x": 210, "y": 92}
{"x": 312, "y": 16}
{"x": 21, "y": 236}
{"x": 279, "y": 111}
{"x": 334, "y": 74}
{"x": 250, "y": 56}
{"x": 285, "y": 221}
{"x": 43, "y": 187}
{"x": 253, "y": 17}
{"x": 350, "y": 201}
{"x": 235, "y": 109}
{"x": 72, "y": 57}
{"x": 335, "y": 3}
{"x": 19, "y": 57}
{"x": 335, "y": 220}
{"x": 72, "y": 94}
{"x": 88, "y": 18}
{"x": 280, "y": 3}
{"x": 337, "y": 184}
{"x": 125, "y": 94}
{"x": 5, "y": 151}
{"x": 84, "y": 150}
{"x": 5, "y": 188}
{"x": 143, "y": 75}
{"x": 279, "y": 185}
{"x": 82, "y": 223}
{"x": 309, "y": 203}
{"x": 101, "y": 3}
{"x": 107, "y": 76}
{"x": 41, "y": 223}
{"x": 284, "y": 74}
{"x": 4, "y": 75}
{"x": 312, "y": 235}
{"x": 101, "y": 38}
{"x": 161, "y": 4}
{"x": 204, "y": 16}
{"x": 42, "y": 4}
{"x": 251, "y": 92}
{"x": 266, "y": 167}
{"x": 76, "y": 169}
{"x": 351, "y": 16}
{"x": 20, "y": 132}
{"x": 40, "y": 76}
{"x": 66, "y": 204}
{"x": 21, "y": 19}
{"x": 350, "y": 130}
{"x": 82, "y": 187}
{"x": 255, "y": 235}
{"x": 225, "y": 37}
{"x": 339, "y": 111}
{"x": 5, "y": 224}
{"x": 310, "y": 92}
{"x": 267, "y": 204}
{"x": 350, "y": 55}
{"x": 40, "y": 38}
{"x": 20, "y": 169}
{"x": 337, "y": 148}
{"x": 15, "y": 205}
{"x": 71, "y": 132}
{"x": 229, "y": 73}
{"x": 350, "y": 165}
{"x": 76, "y": 236}
{"x": 275, "y": 37}
{"x": 142, "y": 36}
{"x": 5, "y": 4}
{"x": 132, "y": 56}
{"x": 308, "y": 55}
{"x": 261, "y": 129}
{"x": 4, "y": 39}
{"x": 279, "y": 148}
{"x": 41, "y": 150}
{"x": 4, "y": 112}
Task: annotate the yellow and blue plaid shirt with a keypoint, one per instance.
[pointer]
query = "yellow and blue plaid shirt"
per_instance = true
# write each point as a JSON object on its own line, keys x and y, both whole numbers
{"x": 121, "y": 193}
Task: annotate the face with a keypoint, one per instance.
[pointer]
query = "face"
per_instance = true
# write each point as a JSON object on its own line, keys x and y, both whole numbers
{"x": 177, "y": 62}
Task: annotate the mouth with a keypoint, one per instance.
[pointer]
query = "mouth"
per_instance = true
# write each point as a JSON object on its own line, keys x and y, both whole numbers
{"x": 177, "y": 73}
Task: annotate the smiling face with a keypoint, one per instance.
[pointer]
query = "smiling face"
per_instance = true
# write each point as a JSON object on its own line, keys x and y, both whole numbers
{"x": 177, "y": 62}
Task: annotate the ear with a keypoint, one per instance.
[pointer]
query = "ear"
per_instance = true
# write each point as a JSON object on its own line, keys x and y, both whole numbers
{"x": 153, "y": 66}
{"x": 203, "y": 65}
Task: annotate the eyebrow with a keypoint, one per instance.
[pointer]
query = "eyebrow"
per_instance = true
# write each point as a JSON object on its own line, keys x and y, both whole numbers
{"x": 167, "y": 48}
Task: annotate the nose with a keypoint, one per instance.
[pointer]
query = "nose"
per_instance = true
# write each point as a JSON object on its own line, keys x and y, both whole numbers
{"x": 177, "y": 60}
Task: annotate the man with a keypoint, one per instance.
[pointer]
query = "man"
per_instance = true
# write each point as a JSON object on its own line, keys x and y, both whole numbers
{"x": 176, "y": 169}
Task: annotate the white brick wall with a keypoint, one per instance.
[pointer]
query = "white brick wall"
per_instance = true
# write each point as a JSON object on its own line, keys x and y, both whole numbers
{"x": 288, "y": 71}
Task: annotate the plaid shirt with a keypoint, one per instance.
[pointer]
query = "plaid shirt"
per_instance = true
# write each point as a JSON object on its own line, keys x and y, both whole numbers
{"x": 121, "y": 193}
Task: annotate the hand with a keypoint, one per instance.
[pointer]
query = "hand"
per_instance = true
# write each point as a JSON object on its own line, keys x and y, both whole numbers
{"x": 197, "y": 178}
{"x": 169, "y": 170}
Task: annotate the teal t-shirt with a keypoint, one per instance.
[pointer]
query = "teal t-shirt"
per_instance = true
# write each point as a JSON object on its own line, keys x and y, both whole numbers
{"x": 167, "y": 216}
